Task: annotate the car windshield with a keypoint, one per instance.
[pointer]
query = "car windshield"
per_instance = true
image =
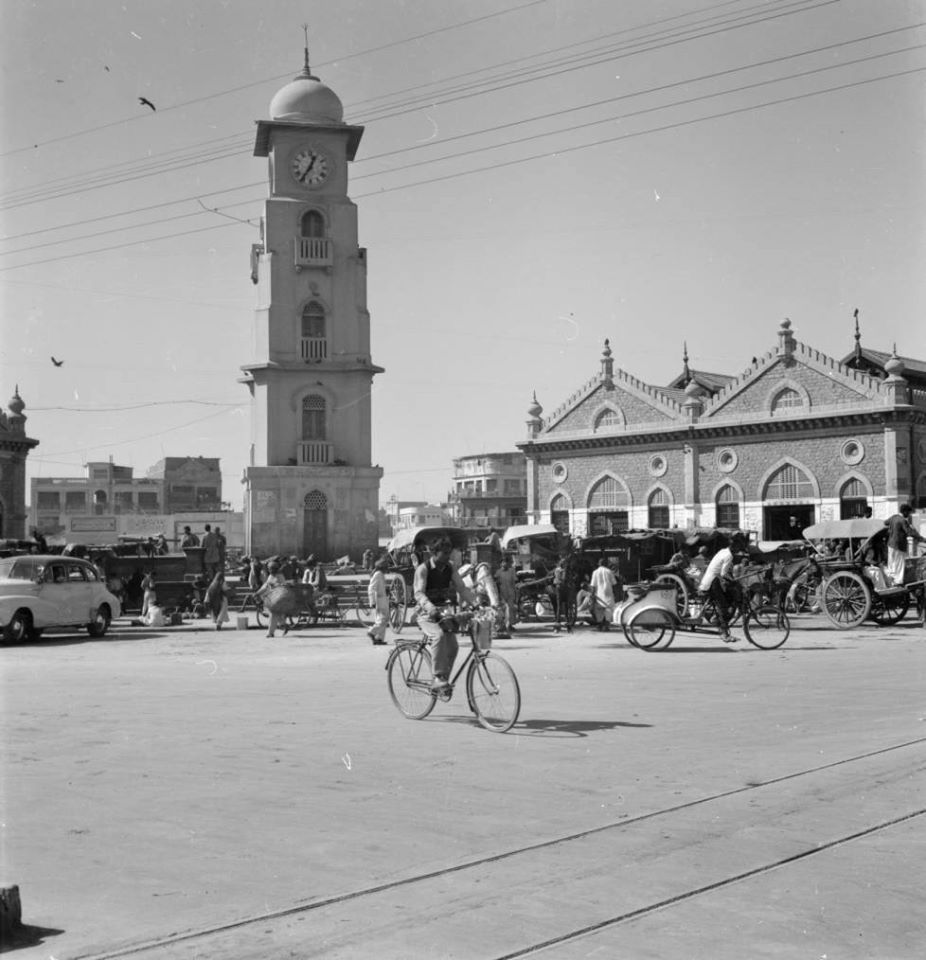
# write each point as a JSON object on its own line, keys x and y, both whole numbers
{"x": 19, "y": 568}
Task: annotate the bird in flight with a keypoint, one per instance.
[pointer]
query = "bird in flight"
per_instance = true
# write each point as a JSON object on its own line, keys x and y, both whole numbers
{"x": 146, "y": 102}
{"x": 57, "y": 363}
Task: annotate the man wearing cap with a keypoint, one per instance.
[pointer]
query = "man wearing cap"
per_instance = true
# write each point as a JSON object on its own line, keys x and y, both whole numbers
{"x": 712, "y": 583}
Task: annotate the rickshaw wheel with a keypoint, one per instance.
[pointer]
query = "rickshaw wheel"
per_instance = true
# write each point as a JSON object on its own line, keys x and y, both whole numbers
{"x": 846, "y": 599}
{"x": 887, "y": 611}
{"x": 398, "y": 602}
{"x": 650, "y": 628}
{"x": 681, "y": 592}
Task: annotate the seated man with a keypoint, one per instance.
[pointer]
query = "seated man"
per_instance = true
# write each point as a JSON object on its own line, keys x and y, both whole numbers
{"x": 437, "y": 585}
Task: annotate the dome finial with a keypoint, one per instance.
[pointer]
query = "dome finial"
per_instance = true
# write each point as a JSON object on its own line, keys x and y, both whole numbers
{"x": 686, "y": 373}
{"x": 858, "y": 335}
{"x": 306, "y": 69}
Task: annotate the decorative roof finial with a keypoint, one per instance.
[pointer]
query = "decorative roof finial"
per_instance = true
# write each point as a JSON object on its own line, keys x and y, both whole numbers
{"x": 686, "y": 373}
{"x": 306, "y": 70}
{"x": 858, "y": 335}
{"x": 607, "y": 364}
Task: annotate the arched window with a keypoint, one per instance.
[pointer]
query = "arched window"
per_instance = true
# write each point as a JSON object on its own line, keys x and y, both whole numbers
{"x": 787, "y": 401}
{"x": 313, "y": 319}
{"x": 313, "y": 224}
{"x": 789, "y": 483}
{"x": 608, "y": 419}
{"x": 605, "y": 501}
{"x": 728, "y": 507}
{"x": 658, "y": 510}
{"x": 559, "y": 513}
{"x": 99, "y": 501}
{"x": 314, "y": 339}
{"x": 313, "y": 418}
{"x": 853, "y": 499}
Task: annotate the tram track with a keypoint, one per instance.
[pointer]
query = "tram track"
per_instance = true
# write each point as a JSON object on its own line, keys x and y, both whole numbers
{"x": 214, "y": 941}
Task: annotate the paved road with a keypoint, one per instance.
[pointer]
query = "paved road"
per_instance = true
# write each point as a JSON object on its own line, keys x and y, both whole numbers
{"x": 185, "y": 793}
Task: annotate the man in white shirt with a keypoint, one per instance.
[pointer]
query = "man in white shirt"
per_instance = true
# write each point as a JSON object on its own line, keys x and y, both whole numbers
{"x": 719, "y": 569}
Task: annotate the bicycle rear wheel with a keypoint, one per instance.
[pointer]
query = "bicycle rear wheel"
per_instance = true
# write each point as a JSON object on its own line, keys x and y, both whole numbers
{"x": 410, "y": 676}
{"x": 493, "y": 692}
{"x": 768, "y": 627}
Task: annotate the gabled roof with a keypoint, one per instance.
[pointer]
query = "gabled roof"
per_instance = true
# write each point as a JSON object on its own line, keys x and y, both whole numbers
{"x": 712, "y": 382}
{"x": 914, "y": 370}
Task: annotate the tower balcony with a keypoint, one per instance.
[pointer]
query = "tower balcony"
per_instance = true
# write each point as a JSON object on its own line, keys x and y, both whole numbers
{"x": 313, "y": 252}
{"x": 314, "y": 452}
{"x": 314, "y": 349}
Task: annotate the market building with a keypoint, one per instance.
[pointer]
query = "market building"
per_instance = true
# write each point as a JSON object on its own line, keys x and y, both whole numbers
{"x": 310, "y": 486}
{"x": 14, "y": 448}
{"x": 797, "y": 434}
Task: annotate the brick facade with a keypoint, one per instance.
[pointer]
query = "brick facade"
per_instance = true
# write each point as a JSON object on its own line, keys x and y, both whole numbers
{"x": 797, "y": 433}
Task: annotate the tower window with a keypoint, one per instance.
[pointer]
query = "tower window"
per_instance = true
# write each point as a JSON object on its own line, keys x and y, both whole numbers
{"x": 313, "y": 418}
{"x": 313, "y": 224}
{"x": 314, "y": 345}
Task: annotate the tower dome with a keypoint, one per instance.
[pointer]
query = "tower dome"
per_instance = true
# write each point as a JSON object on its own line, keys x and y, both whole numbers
{"x": 305, "y": 98}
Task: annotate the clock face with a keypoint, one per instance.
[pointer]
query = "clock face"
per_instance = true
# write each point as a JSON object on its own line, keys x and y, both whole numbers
{"x": 310, "y": 167}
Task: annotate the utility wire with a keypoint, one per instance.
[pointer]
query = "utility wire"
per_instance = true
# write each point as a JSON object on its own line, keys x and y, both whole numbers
{"x": 90, "y": 181}
{"x": 276, "y": 79}
{"x": 525, "y": 139}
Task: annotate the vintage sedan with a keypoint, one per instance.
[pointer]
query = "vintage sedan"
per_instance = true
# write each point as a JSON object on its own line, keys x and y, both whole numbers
{"x": 39, "y": 591}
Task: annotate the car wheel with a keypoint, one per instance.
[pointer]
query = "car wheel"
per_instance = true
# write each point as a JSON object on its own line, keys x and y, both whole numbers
{"x": 19, "y": 627}
{"x": 98, "y": 626}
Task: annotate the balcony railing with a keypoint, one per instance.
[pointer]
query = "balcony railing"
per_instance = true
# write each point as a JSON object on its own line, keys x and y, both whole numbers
{"x": 314, "y": 348}
{"x": 313, "y": 252}
{"x": 315, "y": 451}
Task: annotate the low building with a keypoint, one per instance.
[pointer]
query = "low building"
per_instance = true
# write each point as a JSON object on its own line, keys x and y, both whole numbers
{"x": 14, "y": 448}
{"x": 797, "y": 434}
{"x": 110, "y": 503}
{"x": 489, "y": 490}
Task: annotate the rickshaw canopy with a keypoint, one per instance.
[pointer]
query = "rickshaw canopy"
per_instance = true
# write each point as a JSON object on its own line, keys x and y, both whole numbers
{"x": 528, "y": 531}
{"x": 858, "y": 528}
{"x": 416, "y": 537}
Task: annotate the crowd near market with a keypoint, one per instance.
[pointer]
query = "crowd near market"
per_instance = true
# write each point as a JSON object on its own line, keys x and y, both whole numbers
{"x": 645, "y": 583}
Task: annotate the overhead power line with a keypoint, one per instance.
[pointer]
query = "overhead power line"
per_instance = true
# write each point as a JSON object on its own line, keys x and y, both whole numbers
{"x": 546, "y": 134}
{"x": 472, "y": 88}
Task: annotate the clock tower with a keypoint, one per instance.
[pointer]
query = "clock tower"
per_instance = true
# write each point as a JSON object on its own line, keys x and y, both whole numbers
{"x": 310, "y": 486}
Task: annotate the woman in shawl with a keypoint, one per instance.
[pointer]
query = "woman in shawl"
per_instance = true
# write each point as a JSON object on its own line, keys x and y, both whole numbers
{"x": 217, "y": 600}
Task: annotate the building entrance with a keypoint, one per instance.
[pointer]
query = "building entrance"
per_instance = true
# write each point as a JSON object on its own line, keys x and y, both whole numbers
{"x": 315, "y": 525}
{"x": 787, "y": 522}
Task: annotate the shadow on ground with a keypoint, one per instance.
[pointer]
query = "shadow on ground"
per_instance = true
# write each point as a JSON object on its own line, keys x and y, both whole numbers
{"x": 26, "y": 935}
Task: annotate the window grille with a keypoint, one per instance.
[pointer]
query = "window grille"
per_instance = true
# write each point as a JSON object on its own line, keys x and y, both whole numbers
{"x": 607, "y": 493}
{"x": 315, "y": 500}
{"x": 608, "y": 418}
{"x": 313, "y": 418}
{"x": 789, "y": 483}
{"x": 787, "y": 400}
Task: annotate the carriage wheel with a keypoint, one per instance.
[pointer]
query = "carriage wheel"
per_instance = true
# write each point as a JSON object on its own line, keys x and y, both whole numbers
{"x": 846, "y": 599}
{"x": 887, "y": 611}
{"x": 649, "y": 628}
{"x": 681, "y": 592}
{"x": 398, "y": 602}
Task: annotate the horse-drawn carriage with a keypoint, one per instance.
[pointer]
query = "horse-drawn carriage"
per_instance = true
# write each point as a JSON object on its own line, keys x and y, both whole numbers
{"x": 854, "y": 584}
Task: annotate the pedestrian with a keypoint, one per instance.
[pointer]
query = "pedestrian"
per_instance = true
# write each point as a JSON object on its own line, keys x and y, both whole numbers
{"x": 899, "y": 530}
{"x": 584, "y": 601}
{"x": 222, "y": 546}
{"x": 602, "y": 584}
{"x": 255, "y": 578}
{"x": 41, "y": 544}
{"x": 315, "y": 574}
{"x": 378, "y": 599}
{"x": 274, "y": 580}
{"x": 189, "y": 539}
{"x": 210, "y": 553}
{"x": 217, "y": 600}
{"x": 150, "y": 594}
{"x": 367, "y": 559}
{"x": 507, "y": 578}
{"x": 162, "y": 547}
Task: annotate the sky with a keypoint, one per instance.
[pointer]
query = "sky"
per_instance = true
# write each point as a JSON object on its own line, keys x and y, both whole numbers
{"x": 535, "y": 176}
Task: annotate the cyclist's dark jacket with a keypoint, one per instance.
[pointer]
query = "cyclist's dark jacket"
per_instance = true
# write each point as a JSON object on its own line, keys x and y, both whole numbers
{"x": 440, "y": 589}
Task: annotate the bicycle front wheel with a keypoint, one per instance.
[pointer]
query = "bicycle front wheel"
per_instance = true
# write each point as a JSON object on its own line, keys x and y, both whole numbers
{"x": 493, "y": 693}
{"x": 410, "y": 676}
{"x": 768, "y": 627}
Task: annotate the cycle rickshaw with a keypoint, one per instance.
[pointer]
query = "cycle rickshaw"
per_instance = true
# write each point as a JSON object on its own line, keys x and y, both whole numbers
{"x": 534, "y": 550}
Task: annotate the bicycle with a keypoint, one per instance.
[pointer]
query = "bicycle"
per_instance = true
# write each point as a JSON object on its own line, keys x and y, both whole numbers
{"x": 492, "y": 690}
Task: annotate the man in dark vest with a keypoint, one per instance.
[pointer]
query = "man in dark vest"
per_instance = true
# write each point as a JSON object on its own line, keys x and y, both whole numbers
{"x": 437, "y": 586}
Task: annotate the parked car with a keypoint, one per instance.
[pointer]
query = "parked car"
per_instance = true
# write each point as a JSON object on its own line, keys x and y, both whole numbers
{"x": 38, "y": 591}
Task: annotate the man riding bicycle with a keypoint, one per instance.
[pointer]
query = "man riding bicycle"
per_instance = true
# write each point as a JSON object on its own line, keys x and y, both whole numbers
{"x": 437, "y": 586}
{"x": 718, "y": 579}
